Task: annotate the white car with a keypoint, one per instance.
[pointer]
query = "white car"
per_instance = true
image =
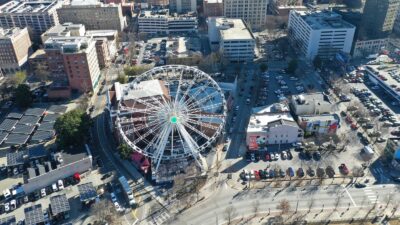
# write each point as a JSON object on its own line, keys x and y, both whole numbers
{"x": 277, "y": 156}
{"x": 284, "y": 155}
{"x": 272, "y": 156}
{"x": 54, "y": 187}
{"x": 43, "y": 192}
{"x": 7, "y": 207}
{"x": 117, "y": 207}
{"x": 246, "y": 175}
{"x": 60, "y": 185}
{"x": 13, "y": 204}
{"x": 113, "y": 197}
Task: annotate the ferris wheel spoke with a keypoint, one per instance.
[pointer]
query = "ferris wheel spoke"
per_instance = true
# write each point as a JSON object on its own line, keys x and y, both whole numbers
{"x": 207, "y": 107}
{"x": 148, "y": 104}
{"x": 203, "y": 100}
{"x": 179, "y": 88}
{"x": 161, "y": 144}
{"x": 197, "y": 131}
{"x": 196, "y": 93}
{"x": 202, "y": 124}
{"x": 191, "y": 143}
{"x": 206, "y": 116}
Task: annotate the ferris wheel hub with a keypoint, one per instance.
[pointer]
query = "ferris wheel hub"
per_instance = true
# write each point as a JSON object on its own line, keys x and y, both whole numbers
{"x": 173, "y": 119}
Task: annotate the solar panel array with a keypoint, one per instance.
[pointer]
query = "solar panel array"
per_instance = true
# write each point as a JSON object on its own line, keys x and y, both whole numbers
{"x": 15, "y": 158}
{"x": 59, "y": 204}
{"x": 34, "y": 215}
{"x": 9, "y": 220}
{"x": 87, "y": 191}
{"x": 18, "y": 127}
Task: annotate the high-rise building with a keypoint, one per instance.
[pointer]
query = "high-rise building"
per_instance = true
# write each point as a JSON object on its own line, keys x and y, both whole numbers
{"x": 232, "y": 37}
{"x": 93, "y": 14}
{"x": 39, "y": 16}
{"x": 378, "y": 18}
{"x": 254, "y": 12}
{"x": 183, "y": 6}
{"x": 78, "y": 58}
{"x": 15, "y": 45}
{"x": 321, "y": 33}
{"x": 158, "y": 2}
{"x": 213, "y": 8}
{"x": 162, "y": 22}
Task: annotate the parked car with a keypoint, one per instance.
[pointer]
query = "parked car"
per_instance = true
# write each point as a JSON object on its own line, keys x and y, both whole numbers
{"x": 330, "y": 171}
{"x": 310, "y": 172}
{"x": 300, "y": 172}
{"x": 277, "y": 156}
{"x": 282, "y": 173}
{"x": 113, "y": 197}
{"x": 267, "y": 156}
{"x": 284, "y": 155}
{"x": 317, "y": 155}
{"x": 320, "y": 172}
{"x": 54, "y": 187}
{"x": 291, "y": 172}
{"x": 43, "y": 192}
{"x": 271, "y": 174}
{"x": 343, "y": 169}
{"x": 60, "y": 185}
{"x": 360, "y": 185}
{"x": 7, "y": 207}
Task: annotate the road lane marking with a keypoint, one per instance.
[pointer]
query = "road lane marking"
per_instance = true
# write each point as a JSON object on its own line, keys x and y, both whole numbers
{"x": 351, "y": 198}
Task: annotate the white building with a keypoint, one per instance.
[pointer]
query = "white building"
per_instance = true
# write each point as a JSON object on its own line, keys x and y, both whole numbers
{"x": 310, "y": 104}
{"x": 183, "y": 6}
{"x": 232, "y": 37}
{"x": 93, "y": 14}
{"x": 64, "y": 30}
{"x": 272, "y": 125}
{"x": 363, "y": 48}
{"x": 254, "y": 12}
{"x": 322, "y": 33}
{"x": 162, "y": 22}
{"x": 38, "y": 15}
{"x": 319, "y": 124}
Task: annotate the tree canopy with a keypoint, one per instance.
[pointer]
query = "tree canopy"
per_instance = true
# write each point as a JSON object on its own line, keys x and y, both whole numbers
{"x": 122, "y": 78}
{"x": 72, "y": 128}
{"x": 292, "y": 66}
{"x": 19, "y": 77}
{"x": 23, "y": 96}
{"x": 124, "y": 150}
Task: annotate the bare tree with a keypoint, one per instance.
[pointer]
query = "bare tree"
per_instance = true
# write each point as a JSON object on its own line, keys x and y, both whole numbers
{"x": 256, "y": 205}
{"x": 104, "y": 213}
{"x": 284, "y": 206}
{"x": 310, "y": 205}
{"x": 230, "y": 213}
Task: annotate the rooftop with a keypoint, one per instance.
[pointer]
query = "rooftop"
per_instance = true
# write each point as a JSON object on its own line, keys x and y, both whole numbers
{"x": 8, "y": 124}
{"x": 321, "y": 20}
{"x": 87, "y": 192}
{"x": 322, "y": 117}
{"x": 23, "y": 129}
{"x": 10, "y": 33}
{"x": 59, "y": 204}
{"x": 269, "y": 116}
{"x": 57, "y": 109}
{"x": 34, "y": 215}
{"x": 68, "y": 44}
{"x": 27, "y": 7}
{"x": 163, "y": 13}
{"x": 232, "y": 29}
{"x": 9, "y": 220}
{"x": 311, "y": 98}
{"x": 42, "y": 135}
{"x": 141, "y": 90}
{"x": 388, "y": 75}
{"x": 35, "y": 112}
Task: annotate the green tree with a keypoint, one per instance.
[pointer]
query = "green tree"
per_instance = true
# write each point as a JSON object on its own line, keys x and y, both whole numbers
{"x": 124, "y": 150}
{"x": 19, "y": 77}
{"x": 263, "y": 67}
{"x": 122, "y": 78}
{"x": 72, "y": 128}
{"x": 292, "y": 66}
{"x": 136, "y": 70}
{"x": 23, "y": 96}
{"x": 317, "y": 62}
{"x": 42, "y": 73}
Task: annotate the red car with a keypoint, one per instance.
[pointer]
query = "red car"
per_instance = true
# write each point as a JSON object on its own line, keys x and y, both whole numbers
{"x": 343, "y": 168}
{"x": 349, "y": 119}
{"x": 257, "y": 174}
{"x": 268, "y": 156}
{"x": 354, "y": 126}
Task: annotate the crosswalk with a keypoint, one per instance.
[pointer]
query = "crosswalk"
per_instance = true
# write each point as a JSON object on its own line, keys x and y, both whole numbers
{"x": 160, "y": 217}
{"x": 371, "y": 195}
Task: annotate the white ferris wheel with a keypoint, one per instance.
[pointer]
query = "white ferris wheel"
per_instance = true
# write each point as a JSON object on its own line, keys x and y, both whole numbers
{"x": 171, "y": 112}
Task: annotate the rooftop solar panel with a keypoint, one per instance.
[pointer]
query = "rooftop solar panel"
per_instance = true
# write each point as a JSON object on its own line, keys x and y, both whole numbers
{"x": 15, "y": 158}
{"x": 59, "y": 204}
{"x": 38, "y": 112}
{"x": 15, "y": 115}
{"x": 87, "y": 191}
{"x": 8, "y": 124}
{"x": 41, "y": 135}
{"x": 9, "y": 220}
{"x": 16, "y": 139}
{"x": 57, "y": 109}
{"x": 46, "y": 126}
{"x": 51, "y": 117}
{"x": 3, "y": 136}
{"x": 30, "y": 120}
{"x": 34, "y": 215}
{"x": 23, "y": 129}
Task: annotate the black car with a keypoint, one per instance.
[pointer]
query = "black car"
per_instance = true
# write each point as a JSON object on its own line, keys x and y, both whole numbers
{"x": 310, "y": 172}
{"x": 320, "y": 172}
{"x": 289, "y": 155}
{"x": 330, "y": 171}
{"x": 105, "y": 176}
{"x": 360, "y": 185}
{"x": 308, "y": 155}
{"x": 343, "y": 113}
{"x": 317, "y": 155}
{"x": 364, "y": 140}
{"x": 282, "y": 173}
{"x": 300, "y": 172}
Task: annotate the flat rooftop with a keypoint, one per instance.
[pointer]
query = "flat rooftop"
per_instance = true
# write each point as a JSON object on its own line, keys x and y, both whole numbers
{"x": 142, "y": 90}
{"x": 10, "y": 33}
{"x": 27, "y": 7}
{"x": 386, "y": 75}
{"x": 322, "y": 117}
{"x": 68, "y": 44}
{"x": 231, "y": 29}
{"x": 321, "y": 20}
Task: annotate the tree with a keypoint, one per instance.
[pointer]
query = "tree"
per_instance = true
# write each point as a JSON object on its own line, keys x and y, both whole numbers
{"x": 72, "y": 128}
{"x": 122, "y": 78}
{"x": 136, "y": 70}
{"x": 104, "y": 213}
{"x": 284, "y": 206}
{"x": 292, "y": 66}
{"x": 124, "y": 150}
{"x": 263, "y": 67}
{"x": 256, "y": 205}
{"x": 41, "y": 72}
{"x": 230, "y": 213}
{"x": 19, "y": 77}
{"x": 23, "y": 96}
{"x": 317, "y": 62}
